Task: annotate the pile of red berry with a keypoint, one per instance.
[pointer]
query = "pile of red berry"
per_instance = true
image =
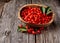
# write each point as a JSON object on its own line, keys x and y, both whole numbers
{"x": 30, "y": 30}
{"x": 34, "y": 30}
{"x": 34, "y": 15}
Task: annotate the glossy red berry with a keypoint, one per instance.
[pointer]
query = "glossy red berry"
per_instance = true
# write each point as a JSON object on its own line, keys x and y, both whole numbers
{"x": 29, "y": 31}
{"x": 33, "y": 32}
{"x": 38, "y": 31}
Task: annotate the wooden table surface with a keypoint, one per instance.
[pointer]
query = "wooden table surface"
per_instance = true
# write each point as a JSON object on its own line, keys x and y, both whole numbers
{"x": 9, "y": 23}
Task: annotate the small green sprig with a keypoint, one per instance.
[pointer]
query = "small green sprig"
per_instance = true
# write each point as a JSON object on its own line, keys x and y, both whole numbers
{"x": 43, "y": 10}
{"x": 46, "y": 11}
{"x": 23, "y": 29}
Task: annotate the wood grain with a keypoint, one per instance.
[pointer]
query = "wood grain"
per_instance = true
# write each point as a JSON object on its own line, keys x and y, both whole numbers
{"x": 9, "y": 21}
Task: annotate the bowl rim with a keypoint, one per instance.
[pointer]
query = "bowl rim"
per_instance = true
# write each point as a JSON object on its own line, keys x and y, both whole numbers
{"x": 19, "y": 15}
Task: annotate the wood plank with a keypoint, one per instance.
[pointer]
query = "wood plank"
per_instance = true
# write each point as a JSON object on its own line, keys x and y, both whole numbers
{"x": 31, "y": 37}
{"x": 22, "y": 37}
{"x": 7, "y": 16}
{"x": 25, "y": 37}
{"x": 5, "y": 0}
{"x": 2, "y": 24}
{"x": 1, "y": 8}
{"x": 51, "y": 35}
{"x": 6, "y": 21}
{"x": 29, "y": 1}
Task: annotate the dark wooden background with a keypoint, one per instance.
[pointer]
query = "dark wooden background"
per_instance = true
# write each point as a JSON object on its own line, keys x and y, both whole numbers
{"x": 9, "y": 23}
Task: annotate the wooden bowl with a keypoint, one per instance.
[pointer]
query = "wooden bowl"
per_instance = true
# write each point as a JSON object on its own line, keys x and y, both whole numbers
{"x": 31, "y": 24}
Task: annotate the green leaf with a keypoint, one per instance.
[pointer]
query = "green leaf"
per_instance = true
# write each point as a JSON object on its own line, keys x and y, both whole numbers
{"x": 18, "y": 28}
{"x": 42, "y": 9}
{"x": 21, "y": 29}
{"x": 48, "y": 10}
